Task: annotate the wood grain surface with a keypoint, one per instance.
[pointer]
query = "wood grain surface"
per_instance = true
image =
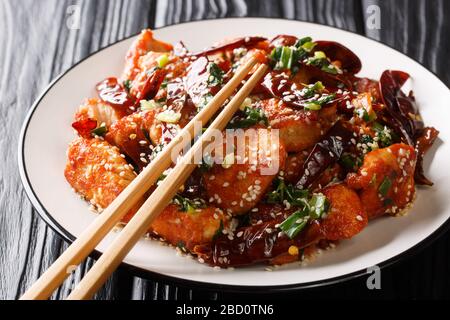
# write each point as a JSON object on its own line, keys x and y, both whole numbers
{"x": 36, "y": 45}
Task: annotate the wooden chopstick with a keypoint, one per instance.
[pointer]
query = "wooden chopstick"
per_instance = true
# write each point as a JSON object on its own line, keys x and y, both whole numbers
{"x": 107, "y": 220}
{"x": 158, "y": 200}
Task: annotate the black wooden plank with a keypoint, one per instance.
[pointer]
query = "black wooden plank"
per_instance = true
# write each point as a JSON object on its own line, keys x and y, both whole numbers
{"x": 417, "y": 28}
{"x": 33, "y": 52}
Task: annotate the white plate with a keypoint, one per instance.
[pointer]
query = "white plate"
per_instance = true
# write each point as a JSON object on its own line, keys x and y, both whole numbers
{"x": 47, "y": 133}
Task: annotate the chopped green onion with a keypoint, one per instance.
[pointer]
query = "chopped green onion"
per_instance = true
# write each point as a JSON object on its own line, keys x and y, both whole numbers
{"x": 252, "y": 116}
{"x": 310, "y": 207}
{"x": 287, "y": 192}
{"x": 321, "y": 61}
{"x": 324, "y": 99}
{"x": 312, "y": 106}
{"x": 246, "y": 104}
{"x": 302, "y": 41}
{"x": 317, "y": 104}
{"x": 305, "y": 43}
{"x": 169, "y": 116}
{"x": 100, "y": 131}
{"x": 295, "y": 223}
{"x": 127, "y": 84}
{"x": 385, "y": 135}
{"x": 313, "y": 209}
{"x": 204, "y": 101}
{"x": 347, "y": 161}
{"x": 366, "y": 139}
{"x": 319, "y": 55}
{"x": 215, "y": 75}
{"x": 310, "y": 90}
{"x": 308, "y": 46}
{"x": 156, "y": 150}
{"x": 163, "y": 60}
{"x": 318, "y": 206}
{"x": 330, "y": 68}
{"x": 284, "y": 57}
{"x": 385, "y": 186}
{"x": 149, "y": 104}
{"x": 188, "y": 205}
{"x": 182, "y": 245}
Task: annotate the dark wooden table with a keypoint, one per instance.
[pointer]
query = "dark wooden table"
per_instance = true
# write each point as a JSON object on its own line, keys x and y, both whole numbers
{"x": 36, "y": 46}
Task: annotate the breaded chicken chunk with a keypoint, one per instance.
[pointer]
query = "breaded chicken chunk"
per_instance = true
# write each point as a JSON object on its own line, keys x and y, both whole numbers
{"x": 385, "y": 181}
{"x": 131, "y": 135}
{"x": 100, "y": 111}
{"x": 299, "y": 128}
{"x": 239, "y": 183}
{"x": 140, "y": 47}
{"x": 96, "y": 170}
{"x": 187, "y": 229}
{"x": 346, "y": 216}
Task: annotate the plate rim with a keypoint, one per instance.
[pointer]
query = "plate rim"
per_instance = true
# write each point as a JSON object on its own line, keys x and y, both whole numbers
{"x": 208, "y": 286}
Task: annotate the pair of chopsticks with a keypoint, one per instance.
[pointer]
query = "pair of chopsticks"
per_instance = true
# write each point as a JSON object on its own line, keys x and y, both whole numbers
{"x": 163, "y": 194}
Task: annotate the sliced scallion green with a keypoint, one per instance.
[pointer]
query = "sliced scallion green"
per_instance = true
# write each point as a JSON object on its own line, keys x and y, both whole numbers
{"x": 384, "y": 187}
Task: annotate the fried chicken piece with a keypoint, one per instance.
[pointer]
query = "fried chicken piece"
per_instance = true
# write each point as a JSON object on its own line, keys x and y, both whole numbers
{"x": 140, "y": 47}
{"x": 239, "y": 183}
{"x": 100, "y": 111}
{"x": 132, "y": 135}
{"x": 187, "y": 229}
{"x": 346, "y": 216}
{"x": 385, "y": 181}
{"x": 299, "y": 128}
{"x": 96, "y": 171}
